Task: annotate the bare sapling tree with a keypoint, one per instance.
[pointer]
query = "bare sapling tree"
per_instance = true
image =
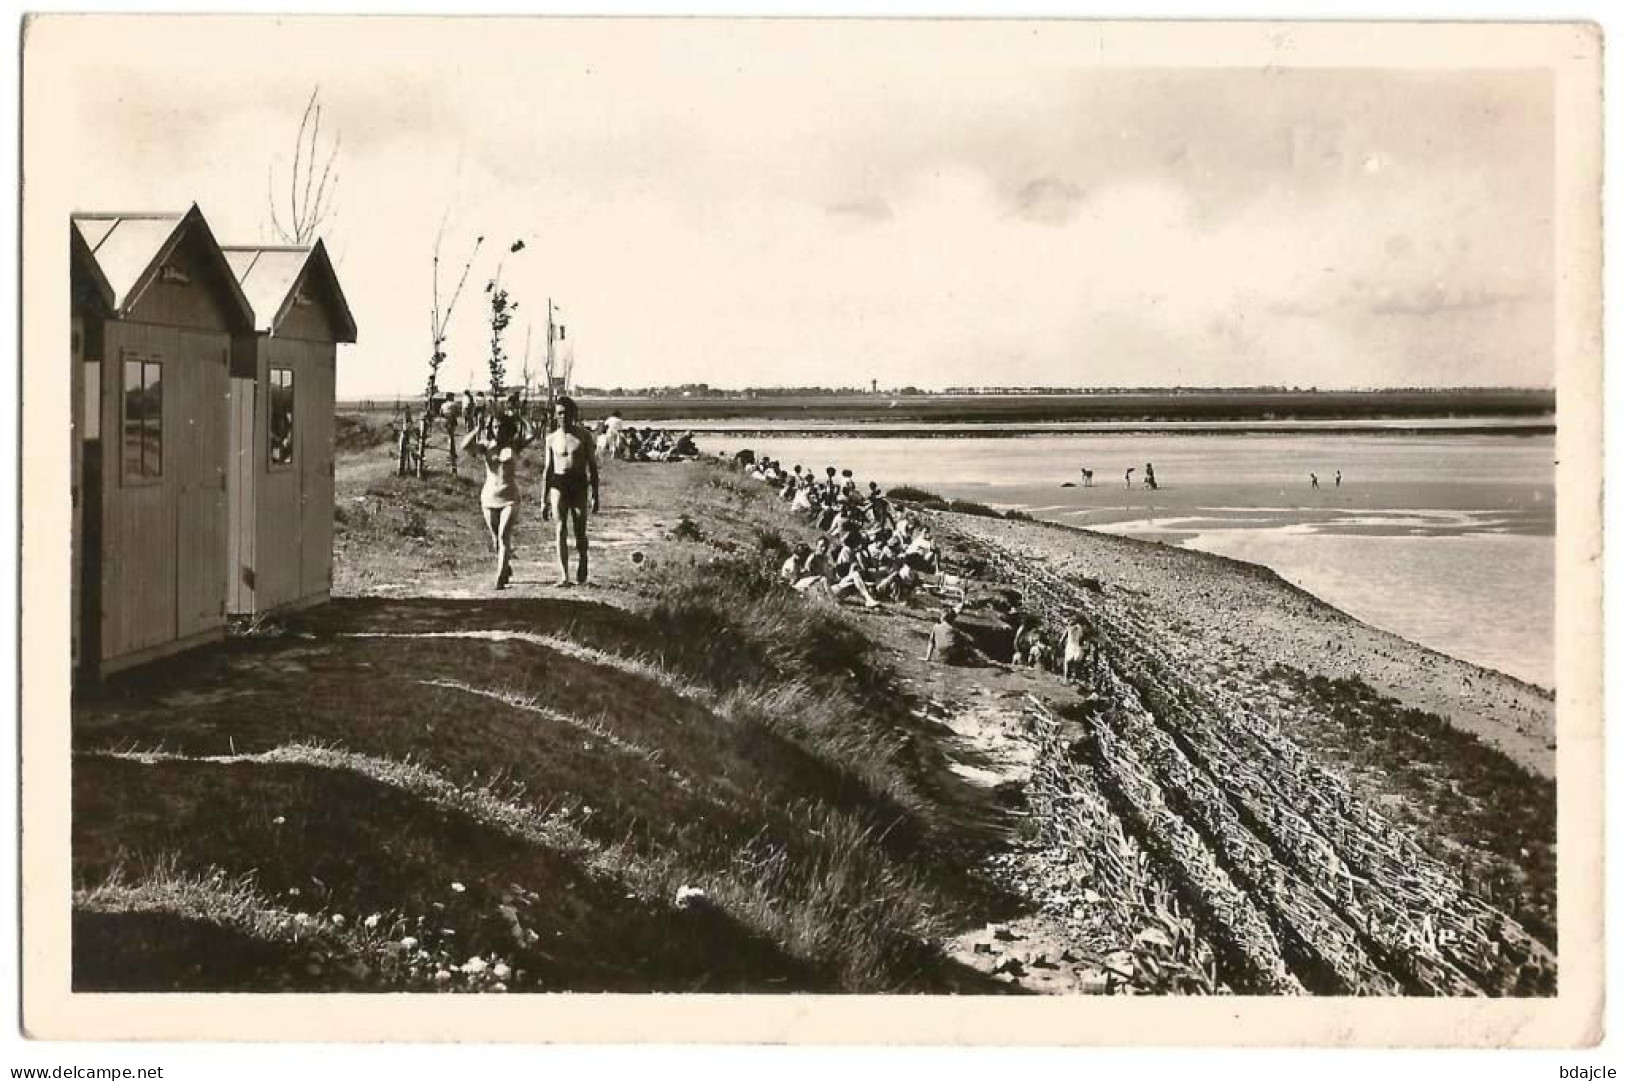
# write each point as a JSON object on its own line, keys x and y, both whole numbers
{"x": 307, "y": 200}
{"x": 550, "y": 364}
{"x": 439, "y": 322}
{"x": 567, "y": 365}
{"x": 527, "y": 376}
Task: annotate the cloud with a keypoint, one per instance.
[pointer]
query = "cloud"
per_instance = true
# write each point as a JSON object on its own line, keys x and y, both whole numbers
{"x": 863, "y": 210}
{"x": 1438, "y": 300}
{"x": 728, "y": 205}
{"x": 1049, "y": 200}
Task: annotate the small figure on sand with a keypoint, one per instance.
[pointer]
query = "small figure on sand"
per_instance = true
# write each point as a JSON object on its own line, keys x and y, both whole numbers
{"x": 1088, "y": 477}
{"x": 1026, "y": 633}
{"x": 1338, "y": 481}
{"x": 1078, "y": 644}
{"x": 1314, "y": 481}
{"x": 947, "y": 641}
{"x": 1150, "y": 477}
{"x": 570, "y": 480}
{"x": 1128, "y": 477}
{"x": 614, "y": 428}
{"x": 498, "y": 441}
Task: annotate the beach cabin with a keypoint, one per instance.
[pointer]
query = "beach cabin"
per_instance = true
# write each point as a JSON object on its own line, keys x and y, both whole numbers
{"x": 154, "y": 309}
{"x": 279, "y": 552}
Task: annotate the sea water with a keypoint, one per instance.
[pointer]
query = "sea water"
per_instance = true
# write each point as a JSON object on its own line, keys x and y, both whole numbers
{"x": 1448, "y": 540}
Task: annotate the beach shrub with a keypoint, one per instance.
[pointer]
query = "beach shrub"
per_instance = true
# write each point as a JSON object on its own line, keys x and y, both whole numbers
{"x": 967, "y": 506}
{"x": 929, "y": 500}
{"x": 415, "y": 525}
{"x": 771, "y": 541}
{"x": 686, "y": 529}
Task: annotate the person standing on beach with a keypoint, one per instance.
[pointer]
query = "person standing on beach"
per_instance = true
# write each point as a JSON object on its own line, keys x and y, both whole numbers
{"x": 498, "y": 441}
{"x": 946, "y": 642}
{"x": 1314, "y": 481}
{"x": 1025, "y": 631}
{"x": 1338, "y": 481}
{"x": 1150, "y": 477}
{"x": 1088, "y": 477}
{"x": 1076, "y": 645}
{"x": 570, "y": 484}
{"x": 613, "y": 425}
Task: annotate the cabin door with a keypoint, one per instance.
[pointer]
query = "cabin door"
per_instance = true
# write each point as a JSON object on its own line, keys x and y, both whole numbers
{"x": 200, "y": 462}
{"x": 76, "y": 442}
{"x": 316, "y": 470}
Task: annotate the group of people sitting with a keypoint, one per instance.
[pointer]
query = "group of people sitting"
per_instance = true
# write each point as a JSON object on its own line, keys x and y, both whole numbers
{"x": 865, "y": 548}
{"x": 868, "y": 550}
{"x": 619, "y": 440}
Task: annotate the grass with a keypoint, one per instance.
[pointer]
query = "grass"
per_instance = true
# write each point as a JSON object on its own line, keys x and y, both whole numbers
{"x": 571, "y": 761}
{"x": 514, "y": 887}
{"x": 353, "y": 432}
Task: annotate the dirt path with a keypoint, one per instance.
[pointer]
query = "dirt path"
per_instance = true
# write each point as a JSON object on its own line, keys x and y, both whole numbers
{"x": 436, "y": 545}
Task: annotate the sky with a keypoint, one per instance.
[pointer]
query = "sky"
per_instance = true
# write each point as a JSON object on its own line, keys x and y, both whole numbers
{"x": 796, "y": 203}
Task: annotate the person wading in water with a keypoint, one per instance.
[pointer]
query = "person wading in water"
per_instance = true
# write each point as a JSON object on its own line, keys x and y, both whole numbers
{"x": 570, "y": 480}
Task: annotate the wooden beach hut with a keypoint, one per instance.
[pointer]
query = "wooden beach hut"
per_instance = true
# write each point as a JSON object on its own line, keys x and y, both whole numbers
{"x": 280, "y": 485}
{"x": 154, "y": 308}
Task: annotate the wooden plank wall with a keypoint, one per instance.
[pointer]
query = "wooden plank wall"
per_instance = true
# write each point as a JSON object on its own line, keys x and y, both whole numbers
{"x": 76, "y": 441}
{"x": 308, "y": 322}
{"x": 316, "y": 446}
{"x": 196, "y": 303}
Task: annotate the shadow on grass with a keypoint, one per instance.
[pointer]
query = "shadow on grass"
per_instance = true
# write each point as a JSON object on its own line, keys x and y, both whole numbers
{"x": 166, "y": 951}
{"x": 717, "y": 781}
{"x": 298, "y": 830}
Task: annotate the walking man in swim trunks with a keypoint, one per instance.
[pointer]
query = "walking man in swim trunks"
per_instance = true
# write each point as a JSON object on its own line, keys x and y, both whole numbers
{"x": 570, "y": 481}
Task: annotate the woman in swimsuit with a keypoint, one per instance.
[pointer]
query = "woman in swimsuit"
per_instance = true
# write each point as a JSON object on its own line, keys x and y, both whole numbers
{"x": 498, "y": 442}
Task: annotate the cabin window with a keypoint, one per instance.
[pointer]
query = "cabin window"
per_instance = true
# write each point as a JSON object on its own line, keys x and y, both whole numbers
{"x": 282, "y": 429}
{"x": 143, "y": 418}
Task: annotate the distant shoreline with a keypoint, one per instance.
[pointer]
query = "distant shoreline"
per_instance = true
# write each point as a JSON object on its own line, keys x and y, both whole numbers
{"x": 969, "y": 430}
{"x": 877, "y": 413}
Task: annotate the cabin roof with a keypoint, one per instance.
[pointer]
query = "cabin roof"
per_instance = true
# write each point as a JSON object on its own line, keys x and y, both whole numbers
{"x": 270, "y": 276}
{"x": 127, "y": 250}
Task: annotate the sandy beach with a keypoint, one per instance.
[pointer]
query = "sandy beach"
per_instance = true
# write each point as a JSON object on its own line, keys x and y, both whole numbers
{"x": 1214, "y": 614}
